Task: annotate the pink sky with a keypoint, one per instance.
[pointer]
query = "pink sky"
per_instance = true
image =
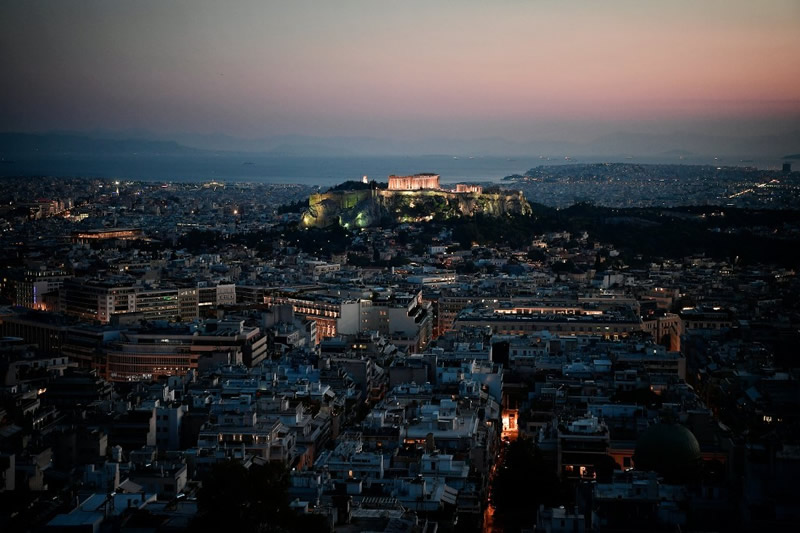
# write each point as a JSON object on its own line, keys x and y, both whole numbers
{"x": 365, "y": 67}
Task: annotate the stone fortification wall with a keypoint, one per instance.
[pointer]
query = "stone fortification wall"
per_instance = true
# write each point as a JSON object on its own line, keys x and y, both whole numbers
{"x": 359, "y": 209}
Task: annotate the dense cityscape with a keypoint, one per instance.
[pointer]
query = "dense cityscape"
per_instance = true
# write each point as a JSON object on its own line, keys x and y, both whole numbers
{"x": 184, "y": 356}
{"x": 399, "y": 267}
{"x": 637, "y": 185}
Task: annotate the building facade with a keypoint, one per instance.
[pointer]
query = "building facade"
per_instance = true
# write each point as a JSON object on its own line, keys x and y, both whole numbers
{"x": 413, "y": 183}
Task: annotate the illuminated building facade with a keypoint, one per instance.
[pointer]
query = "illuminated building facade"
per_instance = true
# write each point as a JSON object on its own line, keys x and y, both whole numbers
{"x": 581, "y": 443}
{"x": 610, "y": 325}
{"x": 110, "y": 233}
{"x": 188, "y": 303}
{"x": 144, "y": 358}
{"x": 38, "y": 289}
{"x": 413, "y": 183}
{"x": 99, "y": 300}
{"x": 405, "y": 319}
{"x": 469, "y": 188}
{"x": 448, "y": 309}
{"x": 666, "y": 329}
{"x": 332, "y": 316}
{"x": 146, "y": 355}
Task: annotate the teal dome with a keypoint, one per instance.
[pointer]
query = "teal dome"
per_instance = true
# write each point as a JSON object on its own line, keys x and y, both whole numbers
{"x": 669, "y": 449}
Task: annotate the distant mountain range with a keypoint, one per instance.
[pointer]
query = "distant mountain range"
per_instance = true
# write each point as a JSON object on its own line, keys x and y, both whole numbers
{"x": 680, "y": 143}
{"x": 129, "y": 143}
{"x": 59, "y": 144}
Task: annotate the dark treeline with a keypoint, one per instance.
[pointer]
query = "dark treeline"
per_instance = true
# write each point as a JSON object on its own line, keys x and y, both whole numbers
{"x": 234, "y": 498}
{"x": 324, "y": 241}
{"x": 741, "y": 236}
{"x": 745, "y": 236}
{"x": 351, "y": 185}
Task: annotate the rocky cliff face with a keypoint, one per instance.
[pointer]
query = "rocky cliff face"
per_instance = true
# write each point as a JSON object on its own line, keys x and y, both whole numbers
{"x": 363, "y": 208}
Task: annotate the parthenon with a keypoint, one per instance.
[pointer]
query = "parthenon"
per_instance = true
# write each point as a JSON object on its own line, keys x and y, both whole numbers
{"x": 414, "y": 183}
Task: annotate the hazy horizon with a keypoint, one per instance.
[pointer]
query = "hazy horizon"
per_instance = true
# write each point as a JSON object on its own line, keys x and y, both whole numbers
{"x": 525, "y": 72}
{"x": 768, "y": 150}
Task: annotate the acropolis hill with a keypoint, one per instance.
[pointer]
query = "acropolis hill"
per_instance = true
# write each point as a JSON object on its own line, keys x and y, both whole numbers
{"x": 408, "y": 199}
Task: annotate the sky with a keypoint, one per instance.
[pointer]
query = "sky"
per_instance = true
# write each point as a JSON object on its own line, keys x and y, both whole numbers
{"x": 534, "y": 69}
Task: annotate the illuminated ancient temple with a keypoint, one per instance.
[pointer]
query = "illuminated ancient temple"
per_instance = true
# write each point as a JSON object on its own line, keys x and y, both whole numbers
{"x": 469, "y": 188}
{"x": 414, "y": 183}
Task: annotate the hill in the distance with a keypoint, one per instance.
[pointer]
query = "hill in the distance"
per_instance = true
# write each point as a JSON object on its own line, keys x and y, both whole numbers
{"x": 56, "y": 144}
{"x": 621, "y": 144}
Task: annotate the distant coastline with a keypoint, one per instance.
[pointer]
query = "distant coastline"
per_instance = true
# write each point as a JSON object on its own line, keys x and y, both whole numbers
{"x": 326, "y": 161}
{"x": 322, "y": 171}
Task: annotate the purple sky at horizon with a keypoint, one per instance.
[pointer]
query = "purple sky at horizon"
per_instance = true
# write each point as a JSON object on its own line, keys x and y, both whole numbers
{"x": 525, "y": 69}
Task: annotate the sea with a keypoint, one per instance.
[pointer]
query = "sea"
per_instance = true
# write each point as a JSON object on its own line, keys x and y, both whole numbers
{"x": 321, "y": 171}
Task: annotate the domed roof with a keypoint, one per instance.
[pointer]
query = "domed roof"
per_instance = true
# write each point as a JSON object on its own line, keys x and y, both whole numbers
{"x": 669, "y": 449}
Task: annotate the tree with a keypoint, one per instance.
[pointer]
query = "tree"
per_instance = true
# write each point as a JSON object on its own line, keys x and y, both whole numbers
{"x": 235, "y": 498}
{"x": 604, "y": 467}
{"x": 537, "y": 254}
{"x": 293, "y": 207}
{"x": 564, "y": 266}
